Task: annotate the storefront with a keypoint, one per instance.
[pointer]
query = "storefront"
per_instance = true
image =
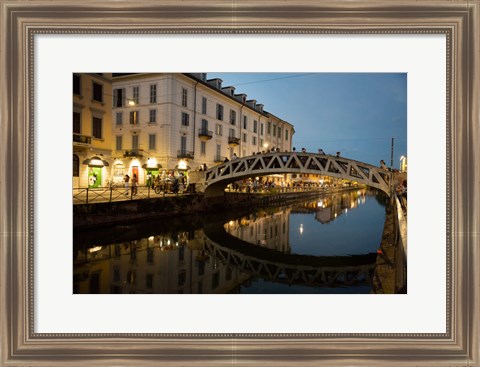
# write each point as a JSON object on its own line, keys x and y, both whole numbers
{"x": 152, "y": 171}
{"x": 95, "y": 171}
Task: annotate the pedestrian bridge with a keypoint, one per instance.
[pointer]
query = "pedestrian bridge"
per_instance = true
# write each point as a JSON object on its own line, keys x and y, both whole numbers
{"x": 214, "y": 180}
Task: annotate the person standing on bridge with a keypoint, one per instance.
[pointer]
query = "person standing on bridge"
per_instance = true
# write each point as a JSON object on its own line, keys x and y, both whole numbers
{"x": 320, "y": 151}
{"x": 234, "y": 156}
{"x": 383, "y": 165}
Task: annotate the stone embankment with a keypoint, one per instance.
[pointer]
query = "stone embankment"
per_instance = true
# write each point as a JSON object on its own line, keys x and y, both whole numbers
{"x": 391, "y": 264}
{"x": 121, "y": 212}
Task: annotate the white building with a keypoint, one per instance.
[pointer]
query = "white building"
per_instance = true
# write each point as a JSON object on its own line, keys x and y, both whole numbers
{"x": 169, "y": 121}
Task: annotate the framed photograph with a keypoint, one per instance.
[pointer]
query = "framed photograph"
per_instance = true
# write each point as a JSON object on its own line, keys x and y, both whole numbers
{"x": 178, "y": 107}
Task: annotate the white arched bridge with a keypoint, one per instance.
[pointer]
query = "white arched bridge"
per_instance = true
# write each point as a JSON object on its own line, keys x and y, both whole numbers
{"x": 214, "y": 180}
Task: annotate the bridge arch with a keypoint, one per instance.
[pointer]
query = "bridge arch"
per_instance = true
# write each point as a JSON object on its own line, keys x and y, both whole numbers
{"x": 218, "y": 177}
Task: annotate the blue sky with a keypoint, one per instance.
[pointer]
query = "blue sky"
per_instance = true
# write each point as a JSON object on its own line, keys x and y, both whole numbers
{"x": 354, "y": 113}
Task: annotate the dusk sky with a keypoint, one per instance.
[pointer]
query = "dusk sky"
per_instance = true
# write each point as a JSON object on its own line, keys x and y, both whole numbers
{"x": 354, "y": 113}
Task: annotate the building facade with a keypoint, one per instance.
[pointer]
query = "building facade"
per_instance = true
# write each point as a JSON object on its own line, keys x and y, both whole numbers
{"x": 92, "y": 129}
{"x": 171, "y": 122}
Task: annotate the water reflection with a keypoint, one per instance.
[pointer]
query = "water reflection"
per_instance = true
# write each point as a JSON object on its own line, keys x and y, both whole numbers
{"x": 261, "y": 252}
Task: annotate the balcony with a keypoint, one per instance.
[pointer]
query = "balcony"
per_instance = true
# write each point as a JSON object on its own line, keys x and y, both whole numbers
{"x": 82, "y": 141}
{"x": 133, "y": 153}
{"x": 233, "y": 141}
{"x": 219, "y": 159}
{"x": 205, "y": 134}
{"x": 184, "y": 154}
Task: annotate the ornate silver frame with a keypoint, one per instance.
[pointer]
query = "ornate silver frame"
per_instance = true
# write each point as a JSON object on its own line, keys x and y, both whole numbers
{"x": 458, "y": 20}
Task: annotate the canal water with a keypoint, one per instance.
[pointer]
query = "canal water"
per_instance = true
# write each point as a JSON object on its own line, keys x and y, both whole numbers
{"x": 325, "y": 244}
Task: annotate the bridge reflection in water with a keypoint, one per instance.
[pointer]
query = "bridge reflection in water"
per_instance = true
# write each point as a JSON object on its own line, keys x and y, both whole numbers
{"x": 261, "y": 252}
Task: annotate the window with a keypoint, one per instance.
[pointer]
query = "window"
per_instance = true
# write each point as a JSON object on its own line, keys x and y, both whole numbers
{"x": 77, "y": 126}
{"x": 203, "y": 148}
{"x": 135, "y": 142}
{"x": 76, "y": 166}
{"x": 219, "y": 149}
{"x": 261, "y": 143}
{"x": 77, "y": 86}
{"x": 244, "y": 138}
{"x": 118, "y": 171}
{"x": 231, "y": 133}
{"x": 136, "y": 95}
{"x": 204, "y": 125}
{"x": 219, "y": 112}
{"x": 219, "y": 129}
{"x": 255, "y": 126}
{"x": 204, "y": 105}
{"x": 149, "y": 281}
{"x": 261, "y": 128}
{"x": 150, "y": 255}
{"x": 153, "y": 93}
{"x": 215, "y": 280}
{"x": 233, "y": 117}
{"x": 183, "y": 143}
{"x": 279, "y": 132}
{"x": 119, "y": 118}
{"x": 185, "y": 119}
{"x": 151, "y": 142}
{"x": 184, "y": 97}
{"x": 119, "y": 97}
{"x": 274, "y": 130}
{"x": 286, "y": 134}
{"x": 133, "y": 117}
{"x": 269, "y": 127}
{"x": 245, "y": 122}
{"x": 153, "y": 116}
{"x": 116, "y": 274}
{"x": 254, "y": 140}
{"x": 97, "y": 127}
{"x": 118, "y": 141}
{"x": 97, "y": 92}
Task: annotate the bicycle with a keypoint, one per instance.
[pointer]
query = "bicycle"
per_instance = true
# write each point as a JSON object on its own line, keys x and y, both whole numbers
{"x": 111, "y": 184}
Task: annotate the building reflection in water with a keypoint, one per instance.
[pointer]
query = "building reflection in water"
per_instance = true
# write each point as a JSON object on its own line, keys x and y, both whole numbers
{"x": 183, "y": 261}
{"x": 159, "y": 264}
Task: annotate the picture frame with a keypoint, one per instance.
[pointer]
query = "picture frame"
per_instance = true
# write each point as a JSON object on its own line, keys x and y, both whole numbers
{"x": 21, "y": 21}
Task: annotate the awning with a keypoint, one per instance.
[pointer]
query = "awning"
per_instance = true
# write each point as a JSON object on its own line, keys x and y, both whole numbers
{"x": 96, "y": 162}
{"x": 154, "y": 166}
{"x": 187, "y": 168}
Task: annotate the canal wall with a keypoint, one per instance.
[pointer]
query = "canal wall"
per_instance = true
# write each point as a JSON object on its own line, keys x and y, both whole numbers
{"x": 124, "y": 212}
{"x": 390, "y": 276}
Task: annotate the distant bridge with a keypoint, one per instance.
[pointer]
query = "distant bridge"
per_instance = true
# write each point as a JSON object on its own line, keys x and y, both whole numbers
{"x": 214, "y": 180}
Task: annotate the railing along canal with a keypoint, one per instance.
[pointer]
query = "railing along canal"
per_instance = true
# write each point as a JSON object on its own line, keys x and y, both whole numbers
{"x": 400, "y": 228}
{"x": 109, "y": 194}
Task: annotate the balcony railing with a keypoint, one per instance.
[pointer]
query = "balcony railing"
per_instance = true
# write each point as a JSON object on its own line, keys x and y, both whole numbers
{"x": 82, "y": 139}
{"x": 232, "y": 140}
{"x": 219, "y": 158}
{"x": 204, "y": 133}
{"x": 184, "y": 154}
{"x": 132, "y": 153}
